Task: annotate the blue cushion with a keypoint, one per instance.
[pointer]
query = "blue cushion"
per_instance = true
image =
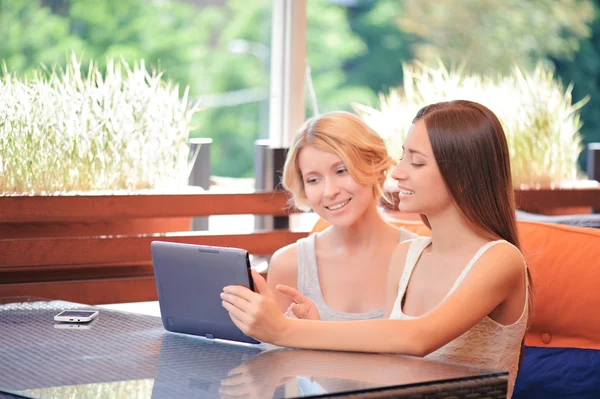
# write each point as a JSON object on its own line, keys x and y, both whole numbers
{"x": 586, "y": 220}
{"x": 558, "y": 373}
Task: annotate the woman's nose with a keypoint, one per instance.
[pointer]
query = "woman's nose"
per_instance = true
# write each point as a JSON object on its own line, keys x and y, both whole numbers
{"x": 399, "y": 172}
{"x": 331, "y": 188}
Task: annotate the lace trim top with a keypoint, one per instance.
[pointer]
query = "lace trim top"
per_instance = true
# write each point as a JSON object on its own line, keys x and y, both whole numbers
{"x": 487, "y": 344}
{"x": 310, "y": 287}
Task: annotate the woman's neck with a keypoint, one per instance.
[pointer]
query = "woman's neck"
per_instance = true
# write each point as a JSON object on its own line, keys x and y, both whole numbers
{"x": 367, "y": 231}
{"x": 450, "y": 232}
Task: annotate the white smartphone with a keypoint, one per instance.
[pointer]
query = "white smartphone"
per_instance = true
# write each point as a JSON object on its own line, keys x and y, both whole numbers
{"x": 76, "y": 316}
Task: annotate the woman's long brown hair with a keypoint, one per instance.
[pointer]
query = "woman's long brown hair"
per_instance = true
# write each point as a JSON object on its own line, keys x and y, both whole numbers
{"x": 470, "y": 147}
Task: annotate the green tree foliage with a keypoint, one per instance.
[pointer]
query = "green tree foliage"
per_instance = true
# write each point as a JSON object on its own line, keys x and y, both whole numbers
{"x": 172, "y": 36}
{"x": 354, "y": 52}
{"x": 493, "y": 35}
{"x": 192, "y": 45}
{"x": 31, "y": 35}
{"x": 388, "y": 47}
{"x": 168, "y": 35}
{"x": 330, "y": 43}
{"x": 583, "y": 71}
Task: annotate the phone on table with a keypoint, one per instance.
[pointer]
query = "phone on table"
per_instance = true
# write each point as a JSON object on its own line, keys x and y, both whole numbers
{"x": 76, "y": 316}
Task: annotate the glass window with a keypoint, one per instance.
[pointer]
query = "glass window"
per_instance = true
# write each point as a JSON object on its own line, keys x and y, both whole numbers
{"x": 358, "y": 49}
{"x": 219, "y": 49}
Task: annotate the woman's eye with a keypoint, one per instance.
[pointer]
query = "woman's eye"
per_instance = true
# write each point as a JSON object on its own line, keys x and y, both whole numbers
{"x": 311, "y": 181}
{"x": 417, "y": 165}
{"x": 340, "y": 171}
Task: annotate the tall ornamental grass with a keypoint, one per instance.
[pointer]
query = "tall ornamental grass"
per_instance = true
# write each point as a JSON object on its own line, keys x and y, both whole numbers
{"x": 537, "y": 112}
{"x": 79, "y": 129}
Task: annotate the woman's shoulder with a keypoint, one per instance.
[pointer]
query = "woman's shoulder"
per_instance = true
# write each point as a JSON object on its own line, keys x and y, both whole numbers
{"x": 502, "y": 261}
{"x": 406, "y": 234}
{"x": 287, "y": 254}
{"x": 401, "y": 252}
{"x": 284, "y": 263}
{"x": 403, "y": 247}
{"x": 503, "y": 252}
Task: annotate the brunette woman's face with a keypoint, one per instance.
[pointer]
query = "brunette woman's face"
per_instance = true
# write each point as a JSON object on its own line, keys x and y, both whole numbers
{"x": 422, "y": 188}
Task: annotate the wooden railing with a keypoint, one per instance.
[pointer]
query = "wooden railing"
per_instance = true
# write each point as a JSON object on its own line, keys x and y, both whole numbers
{"x": 71, "y": 248}
{"x": 96, "y": 248}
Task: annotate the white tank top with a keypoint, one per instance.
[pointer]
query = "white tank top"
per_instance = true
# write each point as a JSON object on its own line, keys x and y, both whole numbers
{"x": 310, "y": 287}
{"x": 487, "y": 344}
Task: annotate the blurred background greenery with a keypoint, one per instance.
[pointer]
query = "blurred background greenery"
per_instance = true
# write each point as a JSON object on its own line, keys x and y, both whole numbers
{"x": 356, "y": 49}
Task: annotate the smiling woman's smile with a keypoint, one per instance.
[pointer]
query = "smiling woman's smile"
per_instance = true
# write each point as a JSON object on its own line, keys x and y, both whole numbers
{"x": 338, "y": 205}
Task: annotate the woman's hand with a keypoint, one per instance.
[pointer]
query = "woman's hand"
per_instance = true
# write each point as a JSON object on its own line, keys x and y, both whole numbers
{"x": 250, "y": 383}
{"x": 301, "y": 307}
{"x": 257, "y": 314}
{"x": 258, "y": 377}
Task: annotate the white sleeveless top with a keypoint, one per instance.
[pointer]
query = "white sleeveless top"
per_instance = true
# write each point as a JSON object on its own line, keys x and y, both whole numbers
{"x": 310, "y": 287}
{"x": 487, "y": 344}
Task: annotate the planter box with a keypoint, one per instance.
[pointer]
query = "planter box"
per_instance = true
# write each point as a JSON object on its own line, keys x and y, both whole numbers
{"x": 569, "y": 198}
{"x": 85, "y": 214}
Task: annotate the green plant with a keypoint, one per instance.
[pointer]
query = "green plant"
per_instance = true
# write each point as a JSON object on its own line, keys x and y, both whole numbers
{"x": 496, "y": 34}
{"x": 540, "y": 121}
{"x": 65, "y": 130}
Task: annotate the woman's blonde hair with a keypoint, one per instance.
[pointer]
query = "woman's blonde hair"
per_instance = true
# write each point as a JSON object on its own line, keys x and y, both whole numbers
{"x": 360, "y": 148}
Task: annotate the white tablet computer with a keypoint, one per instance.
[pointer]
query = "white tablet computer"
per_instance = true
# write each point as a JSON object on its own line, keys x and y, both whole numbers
{"x": 189, "y": 282}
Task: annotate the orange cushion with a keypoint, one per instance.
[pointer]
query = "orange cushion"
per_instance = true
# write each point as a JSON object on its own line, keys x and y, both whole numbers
{"x": 564, "y": 263}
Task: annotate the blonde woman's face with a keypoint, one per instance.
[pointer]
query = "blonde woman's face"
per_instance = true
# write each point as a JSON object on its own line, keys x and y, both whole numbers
{"x": 330, "y": 190}
{"x": 422, "y": 188}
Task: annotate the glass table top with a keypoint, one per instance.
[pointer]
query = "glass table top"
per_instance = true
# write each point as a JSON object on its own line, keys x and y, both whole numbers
{"x": 125, "y": 355}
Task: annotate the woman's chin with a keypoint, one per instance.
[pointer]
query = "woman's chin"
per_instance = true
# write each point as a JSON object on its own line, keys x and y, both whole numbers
{"x": 409, "y": 209}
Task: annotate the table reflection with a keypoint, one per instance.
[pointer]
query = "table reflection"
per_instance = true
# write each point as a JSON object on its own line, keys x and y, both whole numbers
{"x": 213, "y": 369}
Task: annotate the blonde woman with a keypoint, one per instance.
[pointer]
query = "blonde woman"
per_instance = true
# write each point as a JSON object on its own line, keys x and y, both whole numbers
{"x": 336, "y": 167}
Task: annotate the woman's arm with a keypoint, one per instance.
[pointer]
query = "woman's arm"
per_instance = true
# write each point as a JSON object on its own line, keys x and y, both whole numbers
{"x": 498, "y": 274}
{"x": 283, "y": 269}
{"x": 341, "y": 365}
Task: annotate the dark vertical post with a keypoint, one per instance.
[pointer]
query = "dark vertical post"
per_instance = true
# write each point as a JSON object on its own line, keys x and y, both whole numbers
{"x": 260, "y": 180}
{"x": 268, "y": 168}
{"x": 593, "y": 165}
{"x": 279, "y": 155}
